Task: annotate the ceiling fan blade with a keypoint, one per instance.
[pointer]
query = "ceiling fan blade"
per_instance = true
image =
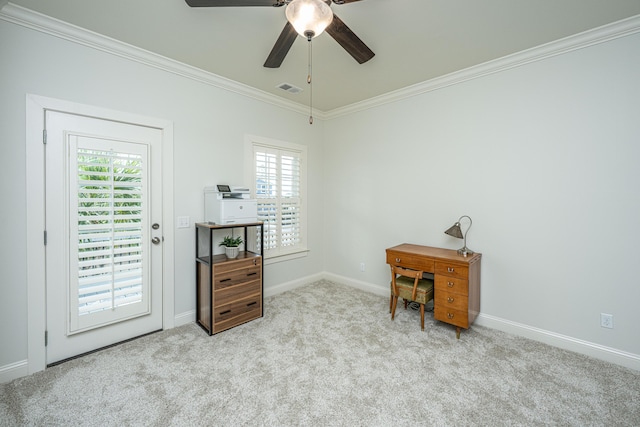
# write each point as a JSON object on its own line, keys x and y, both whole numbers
{"x": 230, "y": 3}
{"x": 349, "y": 41}
{"x": 282, "y": 46}
{"x": 344, "y": 1}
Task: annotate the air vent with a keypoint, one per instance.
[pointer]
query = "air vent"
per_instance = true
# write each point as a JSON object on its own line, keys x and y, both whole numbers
{"x": 289, "y": 88}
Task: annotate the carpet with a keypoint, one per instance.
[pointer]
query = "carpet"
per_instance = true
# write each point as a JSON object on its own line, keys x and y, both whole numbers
{"x": 327, "y": 355}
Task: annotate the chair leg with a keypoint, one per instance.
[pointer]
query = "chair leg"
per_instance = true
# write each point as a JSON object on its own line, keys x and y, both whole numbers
{"x": 405, "y": 303}
{"x": 422, "y": 316}
{"x": 393, "y": 306}
{"x": 390, "y": 302}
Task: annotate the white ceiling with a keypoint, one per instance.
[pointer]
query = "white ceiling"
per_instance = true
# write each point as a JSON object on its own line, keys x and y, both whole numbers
{"x": 414, "y": 40}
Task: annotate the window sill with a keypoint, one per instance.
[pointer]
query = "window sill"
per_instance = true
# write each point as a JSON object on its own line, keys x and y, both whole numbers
{"x": 287, "y": 257}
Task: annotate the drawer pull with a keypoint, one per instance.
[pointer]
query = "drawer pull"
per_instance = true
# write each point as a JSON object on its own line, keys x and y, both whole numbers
{"x": 397, "y": 259}
{"x": 224, "y": 312}
{"x": 450, "y": 284}
{"x": 252, "y": 274}
{"x": 449, "y": 299}
{"x": 252, "y": 303}
{"x": 224, "y": 280}
{"x": 450, "y": 315}
{"x": 450, "y": 269}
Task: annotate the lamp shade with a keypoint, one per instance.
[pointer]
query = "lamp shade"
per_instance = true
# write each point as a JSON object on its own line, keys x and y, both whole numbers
{"x": 454, "y": 231}
{"x": 309, "y": 17}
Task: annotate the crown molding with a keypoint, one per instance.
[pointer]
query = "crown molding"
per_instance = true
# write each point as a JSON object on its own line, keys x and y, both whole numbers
{"x": 45, "y": 24}
{"x": 48, "y": 25}
{"x": 582, "y": 40}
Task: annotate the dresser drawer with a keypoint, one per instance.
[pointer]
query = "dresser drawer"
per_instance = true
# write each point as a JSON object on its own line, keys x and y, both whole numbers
{"x": 229, "y": 294}
{"x": 238, "y": 320}
{"x": 452, "y": 270}
{"x": 451, "y": 316}
{"x": 239, "y": 308}
{"x": 447, "y": 285}
{"x": 233, "y": 277}
{"x": 414, "y": 262}
{"x": 238, "y": 264}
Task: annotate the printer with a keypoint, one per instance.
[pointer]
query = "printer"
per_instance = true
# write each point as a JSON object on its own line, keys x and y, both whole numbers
{"x": 224, "y": 205}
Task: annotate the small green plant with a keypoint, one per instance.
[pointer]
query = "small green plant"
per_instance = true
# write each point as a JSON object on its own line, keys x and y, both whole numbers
{"x": 231, "y": 242}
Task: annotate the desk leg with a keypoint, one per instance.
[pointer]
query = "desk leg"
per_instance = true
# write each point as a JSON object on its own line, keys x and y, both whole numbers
{"x": 458, "y": 332}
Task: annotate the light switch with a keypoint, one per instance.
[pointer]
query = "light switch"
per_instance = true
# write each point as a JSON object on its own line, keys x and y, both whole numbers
{"x": 183, "y": 222}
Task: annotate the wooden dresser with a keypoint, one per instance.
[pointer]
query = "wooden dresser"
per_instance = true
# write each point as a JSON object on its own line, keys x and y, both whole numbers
{"x": 456, "y": 297}
{"x": 228, "y": 291}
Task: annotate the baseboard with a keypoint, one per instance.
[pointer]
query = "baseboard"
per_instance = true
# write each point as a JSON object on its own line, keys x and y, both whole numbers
{"x": 287, "y": 286}
{"x": 358, "y": 284}
{"x": 190, "y": 316}
{"x": 185, "y": 318}
{"x": 608, "y": 354}
{"x": 13, "y": 371}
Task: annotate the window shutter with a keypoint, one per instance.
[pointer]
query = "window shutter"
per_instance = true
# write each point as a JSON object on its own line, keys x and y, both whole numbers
{"x": 278, "y": 183}
{"x": 106, "y": 215}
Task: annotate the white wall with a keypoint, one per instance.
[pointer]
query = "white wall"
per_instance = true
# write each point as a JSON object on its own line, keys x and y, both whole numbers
{"x": 545, "y": 159}
{"x": 209, "y": 129}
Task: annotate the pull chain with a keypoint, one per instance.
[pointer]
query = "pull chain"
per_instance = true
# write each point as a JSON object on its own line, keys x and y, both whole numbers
{"x": 309, "y": 82}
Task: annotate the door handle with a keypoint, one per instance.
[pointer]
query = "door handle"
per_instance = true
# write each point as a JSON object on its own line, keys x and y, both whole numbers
{"x": 155, "y": 240}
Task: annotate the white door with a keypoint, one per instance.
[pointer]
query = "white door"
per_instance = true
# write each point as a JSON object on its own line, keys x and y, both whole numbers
{"x": 104, "y": 237}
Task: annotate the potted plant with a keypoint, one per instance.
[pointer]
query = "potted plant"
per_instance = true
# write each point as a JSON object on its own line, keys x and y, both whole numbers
{"x": 231, "y": 246}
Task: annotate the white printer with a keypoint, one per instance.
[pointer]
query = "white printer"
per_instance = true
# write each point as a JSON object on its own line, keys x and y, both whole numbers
{"x": 225, "y": 205}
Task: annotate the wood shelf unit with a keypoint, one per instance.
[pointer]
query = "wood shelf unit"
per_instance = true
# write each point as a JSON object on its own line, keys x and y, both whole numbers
{"x": 229, "y": 292}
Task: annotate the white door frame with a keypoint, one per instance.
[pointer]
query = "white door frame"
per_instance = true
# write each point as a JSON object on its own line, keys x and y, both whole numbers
{"x": 35, "y": 195}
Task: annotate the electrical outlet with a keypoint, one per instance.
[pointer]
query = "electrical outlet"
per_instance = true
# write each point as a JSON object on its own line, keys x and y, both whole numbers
{"x": 362, "y": 266}
{"x": 606, "y": 320}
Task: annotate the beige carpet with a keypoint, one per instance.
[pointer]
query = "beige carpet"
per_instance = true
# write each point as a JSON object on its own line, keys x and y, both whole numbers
{"x": 327, "y": 355}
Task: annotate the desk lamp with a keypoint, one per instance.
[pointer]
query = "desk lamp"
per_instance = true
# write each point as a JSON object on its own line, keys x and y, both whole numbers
{"x": 456, "y": 232}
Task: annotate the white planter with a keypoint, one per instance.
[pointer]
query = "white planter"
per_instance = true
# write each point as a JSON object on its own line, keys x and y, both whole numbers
{"x": 231, "y": 252}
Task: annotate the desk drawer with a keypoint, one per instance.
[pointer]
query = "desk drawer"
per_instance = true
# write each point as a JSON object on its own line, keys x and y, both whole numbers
{"x": 414, "y": 262}
{"x": 447, "y": 285}
{"x": 452, "y": 270}
{"x": 451, "y": 301}
{"x": 451, "y": 316}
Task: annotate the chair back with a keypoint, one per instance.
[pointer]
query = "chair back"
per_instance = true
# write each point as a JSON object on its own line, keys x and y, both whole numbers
{"x": 413, "y": 274}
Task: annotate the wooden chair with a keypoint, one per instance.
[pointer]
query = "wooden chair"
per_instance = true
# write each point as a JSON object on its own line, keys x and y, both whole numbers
{"x": 410, "y": 286}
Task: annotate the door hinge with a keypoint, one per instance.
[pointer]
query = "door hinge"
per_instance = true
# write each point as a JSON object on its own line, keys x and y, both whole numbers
{"x": 45, "y": 237}
{"x": 44, "y": 136}
{"x": 46, "y": 338}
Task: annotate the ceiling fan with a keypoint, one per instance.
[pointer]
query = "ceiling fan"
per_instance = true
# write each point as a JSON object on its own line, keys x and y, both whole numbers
{"x": 336, "y": 29}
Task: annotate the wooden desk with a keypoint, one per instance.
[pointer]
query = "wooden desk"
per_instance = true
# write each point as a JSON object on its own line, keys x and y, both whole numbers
{"x": 456, "y": 291}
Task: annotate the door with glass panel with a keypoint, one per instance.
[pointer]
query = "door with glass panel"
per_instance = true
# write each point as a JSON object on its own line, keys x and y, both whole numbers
{"x": 104, "y": 237}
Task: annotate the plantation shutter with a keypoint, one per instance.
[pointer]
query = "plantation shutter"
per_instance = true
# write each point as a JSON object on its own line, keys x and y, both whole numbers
{"x": 108, "y": 199}
{"x": 278, "y": 181}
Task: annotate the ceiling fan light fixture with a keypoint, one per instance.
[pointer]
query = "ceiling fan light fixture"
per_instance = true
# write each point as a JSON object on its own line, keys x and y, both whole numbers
{"x": 309, "y": 17}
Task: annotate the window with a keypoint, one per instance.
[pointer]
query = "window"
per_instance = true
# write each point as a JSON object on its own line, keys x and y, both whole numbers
{"x": 279, "y": 184}
{"x": 108, "y": 190}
